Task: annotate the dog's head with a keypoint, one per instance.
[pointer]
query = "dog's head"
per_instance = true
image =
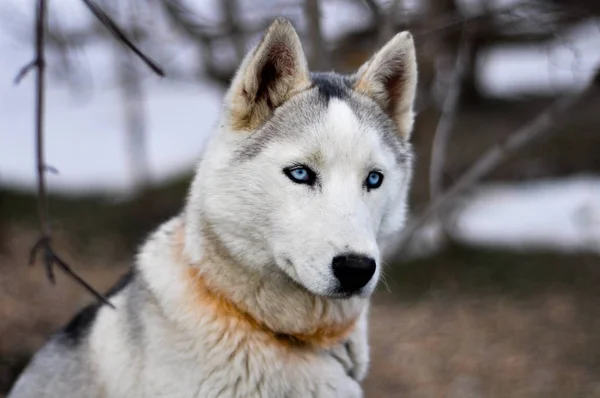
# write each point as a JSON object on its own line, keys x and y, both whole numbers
{"x": 309, "y": 172}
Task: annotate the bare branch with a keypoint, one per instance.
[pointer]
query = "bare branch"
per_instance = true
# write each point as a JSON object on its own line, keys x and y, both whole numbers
{"x": 43, "y": 244}
{"x": 451, "y": 22}
{"x": 188, "y": 22}
{"x": 40, "y": 63}
{"x": 118, "y": 33}
{"x": 204, "y": 34}
{"x": 546, "y": 122}
{"x": 446, "y": 122}
{"x": 51, "y": 259}
{"x": 51, "y": 169}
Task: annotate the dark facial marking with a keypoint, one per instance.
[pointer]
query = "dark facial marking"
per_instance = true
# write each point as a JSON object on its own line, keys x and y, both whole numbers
{"x": 331, "y": 85}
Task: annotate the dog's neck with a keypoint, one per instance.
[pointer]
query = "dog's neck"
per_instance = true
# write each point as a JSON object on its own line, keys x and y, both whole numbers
{"x": 272, "y": 302}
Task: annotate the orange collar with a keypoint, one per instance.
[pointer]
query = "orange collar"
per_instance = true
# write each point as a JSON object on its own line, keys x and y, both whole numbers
{"x": 324, "y": 336}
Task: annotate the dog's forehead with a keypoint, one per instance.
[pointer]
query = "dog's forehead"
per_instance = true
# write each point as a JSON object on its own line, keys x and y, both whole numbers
{"x": 342, "y": 134}
{"x": 332, "y": 115}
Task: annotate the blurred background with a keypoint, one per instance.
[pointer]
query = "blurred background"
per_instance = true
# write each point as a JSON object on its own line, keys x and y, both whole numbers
{"x": 496, "y": 295}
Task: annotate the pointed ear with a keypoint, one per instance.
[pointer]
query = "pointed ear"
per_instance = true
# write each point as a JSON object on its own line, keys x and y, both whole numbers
{"x": 271, "y": 73}
{"x": 390, "y": 78}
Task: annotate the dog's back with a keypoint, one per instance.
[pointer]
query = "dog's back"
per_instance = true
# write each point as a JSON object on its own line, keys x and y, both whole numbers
{"x": 63, "y": 367}
{"x": 57, "y": 370}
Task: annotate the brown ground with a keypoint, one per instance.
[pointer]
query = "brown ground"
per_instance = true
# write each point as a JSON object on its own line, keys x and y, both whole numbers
{"x": 490, "y": 346}
{"x": 466, "y": 323}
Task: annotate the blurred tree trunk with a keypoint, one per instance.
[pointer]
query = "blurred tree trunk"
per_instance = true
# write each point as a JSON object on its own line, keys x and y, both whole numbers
{"x": 387, "y": 22}
{"x": 318, "y": 58}
{"x": 135, "y": 124}
{"x": 134, "y": 102}
{"x": 3, "y": 245}
{"x": 436, "y": 61}
{"x": 230, "y": 10}
{"x": 138, "y": 19}
{"x": 446, "y": 47}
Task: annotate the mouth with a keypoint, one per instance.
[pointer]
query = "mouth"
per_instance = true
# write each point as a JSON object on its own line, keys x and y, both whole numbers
{"x": 339, "y": 295}
{"x": 345, "y": 294}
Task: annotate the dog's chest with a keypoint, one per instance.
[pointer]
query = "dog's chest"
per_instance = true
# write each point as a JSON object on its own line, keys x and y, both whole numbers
{"x": 226, "y": 363}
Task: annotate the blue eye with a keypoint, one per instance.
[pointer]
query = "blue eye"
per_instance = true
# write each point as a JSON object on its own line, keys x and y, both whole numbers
{"x": 374, "y": 180}
{"x": 301, "y": 175}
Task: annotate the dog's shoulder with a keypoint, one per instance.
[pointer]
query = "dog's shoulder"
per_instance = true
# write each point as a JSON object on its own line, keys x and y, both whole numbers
{"x": 79, "y": 326}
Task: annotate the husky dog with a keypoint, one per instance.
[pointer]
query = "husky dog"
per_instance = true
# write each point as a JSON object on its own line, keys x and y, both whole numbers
{"x": 260, "y": 288}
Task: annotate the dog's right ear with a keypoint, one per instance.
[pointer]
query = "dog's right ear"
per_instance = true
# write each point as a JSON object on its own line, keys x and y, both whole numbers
{"x": 271, "y": 73}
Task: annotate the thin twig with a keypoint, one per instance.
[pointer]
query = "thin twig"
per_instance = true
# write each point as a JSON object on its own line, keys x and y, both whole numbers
{"x": 204, "y": 34}
{"x": 454, "y": 22}
{"x": 25, "y": 70}
{"x": 52, "y": 259}
{"x": 546, "y": 122}
{"x": 120, "y": 35}
{"x": 43, "y": 244}
{"x": 451, "y": 22}
{"x": 446, "y": 122}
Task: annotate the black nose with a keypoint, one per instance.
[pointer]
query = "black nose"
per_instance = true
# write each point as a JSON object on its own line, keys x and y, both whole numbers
{"x": 353, "y": 271}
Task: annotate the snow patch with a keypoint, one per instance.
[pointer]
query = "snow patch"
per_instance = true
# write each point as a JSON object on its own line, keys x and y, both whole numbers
{"x": 559, "y": 214}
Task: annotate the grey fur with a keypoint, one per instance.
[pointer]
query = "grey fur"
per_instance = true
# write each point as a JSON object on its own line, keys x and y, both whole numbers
{"x": 60, "y": 366}
{"x": 332, "y": 85}
{"x": 367, "y": 110}
{"x": 287, "y": 122}
{"x": 309, "y": 107}
{"x": 63, "y": 362}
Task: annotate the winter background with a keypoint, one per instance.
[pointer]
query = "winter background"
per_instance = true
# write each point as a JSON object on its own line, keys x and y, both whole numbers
{"x": 497, "y": 298}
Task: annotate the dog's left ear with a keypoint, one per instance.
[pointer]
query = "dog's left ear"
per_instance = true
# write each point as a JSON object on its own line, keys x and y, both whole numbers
{"x": 269, "y": 75}
{"x": 390, "y": 78}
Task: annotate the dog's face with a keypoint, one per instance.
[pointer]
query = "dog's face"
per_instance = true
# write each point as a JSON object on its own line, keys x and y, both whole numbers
{"x": 310, "y": 172}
